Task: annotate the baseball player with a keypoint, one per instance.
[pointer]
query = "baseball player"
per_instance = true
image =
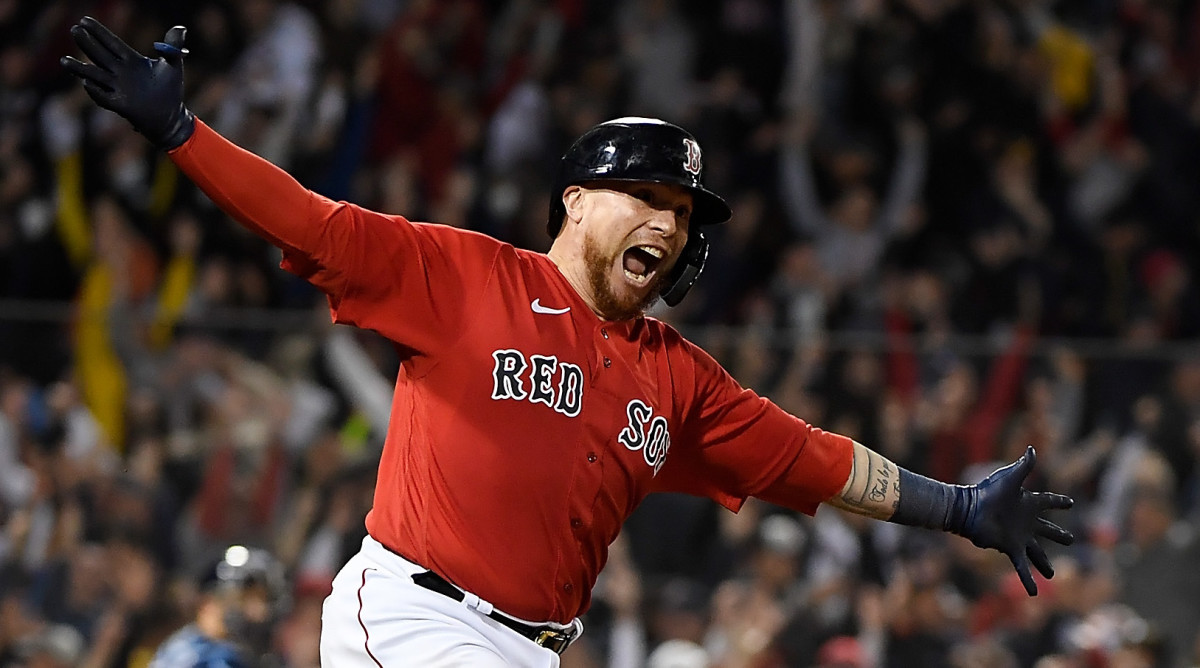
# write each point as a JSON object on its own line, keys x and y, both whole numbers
{"x": 536, "y": 406}
{"x": 242, "y": 595}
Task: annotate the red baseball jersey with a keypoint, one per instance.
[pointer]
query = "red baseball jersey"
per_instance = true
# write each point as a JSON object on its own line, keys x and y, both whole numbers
{"x": 524, "y": 429}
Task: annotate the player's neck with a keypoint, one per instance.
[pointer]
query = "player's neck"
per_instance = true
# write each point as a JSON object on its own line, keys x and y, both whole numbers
{"x": 574, "y": 270}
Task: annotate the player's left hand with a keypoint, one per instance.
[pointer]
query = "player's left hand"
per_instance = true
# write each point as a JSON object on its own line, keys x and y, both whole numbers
{"x": 1007, "y": 517}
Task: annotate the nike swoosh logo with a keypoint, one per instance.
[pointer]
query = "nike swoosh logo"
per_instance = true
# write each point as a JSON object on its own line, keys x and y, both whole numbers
{"x": 537, "y": 307}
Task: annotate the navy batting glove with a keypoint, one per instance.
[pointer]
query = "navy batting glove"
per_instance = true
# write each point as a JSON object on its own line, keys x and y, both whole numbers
{"x": 147, "y": 92}
{"x": 1003, "y": 515}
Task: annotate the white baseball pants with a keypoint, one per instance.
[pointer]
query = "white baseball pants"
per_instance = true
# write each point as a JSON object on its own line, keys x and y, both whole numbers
{"x": 377, "y": 617}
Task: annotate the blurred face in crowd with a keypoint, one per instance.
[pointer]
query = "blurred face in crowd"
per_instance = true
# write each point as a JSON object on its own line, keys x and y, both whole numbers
{"x": 1149, "y": 520}
{"x": 863, "y": 373}
{"x": 45, "y": 660}
{"x": 956, "y": 391}
{"x": 216, "y": 281}
{"x": 14, "y": 396}
{"x": 855, "y": 209}
{"x": 852, "y": 164}
{"x": 14, "y": 622}
{"x": 1131, "y": 657}
{"x": 110, "y": 230}
{"x": 622, "y": 240}
{"x": 1185, "y": 381}
{"x": 997, "y": 246}
{"x": 89, "y": 571}
{"x": 801, "y": 264}
{"x": 15, "y": 64}
{"x": 256, "y": 13}
{"x": 239, "y": 615}
{"x": 775, "y": 569}
{"x": 256, "y": 604}
{"x": 135, "y": 582}
{"x": 299, "y": 636}
{"x": 679, "y": 612}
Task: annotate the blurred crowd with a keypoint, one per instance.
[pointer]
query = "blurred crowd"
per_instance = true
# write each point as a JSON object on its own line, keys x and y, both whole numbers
{"x": 905, "y": 175}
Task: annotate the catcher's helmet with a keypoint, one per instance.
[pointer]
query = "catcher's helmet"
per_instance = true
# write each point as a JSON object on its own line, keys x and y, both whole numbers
{"x": 248, "y": 622}
{"x": 644, "y": 149}
{"x": 240, "y": 567}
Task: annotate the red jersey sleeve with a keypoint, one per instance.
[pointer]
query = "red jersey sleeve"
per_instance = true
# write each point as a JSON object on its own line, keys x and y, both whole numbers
{"x": 412, "y": 282}
{"x": 735, "y": 444}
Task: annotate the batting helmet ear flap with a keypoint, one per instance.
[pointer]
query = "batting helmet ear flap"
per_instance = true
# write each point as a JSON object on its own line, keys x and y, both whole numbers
{"x": 687, "y": 268}
{"x": 558, "y": 215}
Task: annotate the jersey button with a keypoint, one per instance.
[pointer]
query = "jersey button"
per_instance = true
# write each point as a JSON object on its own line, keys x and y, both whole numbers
{"x": 576, "y": 522}
{"x": 604, "y": 333}
{"x": 568, "y": 588}
{"x": 591, "y": 457}
{"x": 607, "y": 362}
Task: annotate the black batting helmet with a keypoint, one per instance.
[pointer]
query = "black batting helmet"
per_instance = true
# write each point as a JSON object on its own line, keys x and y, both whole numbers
{"x": 240, "y": 567}
{"x": 248, "y": 626}
{"x": 637, "y": 149}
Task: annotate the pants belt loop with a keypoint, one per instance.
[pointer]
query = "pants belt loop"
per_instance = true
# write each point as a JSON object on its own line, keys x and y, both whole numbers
{"x": 474, "y": 602}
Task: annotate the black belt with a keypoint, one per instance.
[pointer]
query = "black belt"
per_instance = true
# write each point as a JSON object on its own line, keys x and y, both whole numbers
{"x": 549, "y": 637}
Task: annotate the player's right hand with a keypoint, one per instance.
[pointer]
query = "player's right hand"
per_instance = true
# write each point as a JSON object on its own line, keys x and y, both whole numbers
{"x": 146, "y": 92}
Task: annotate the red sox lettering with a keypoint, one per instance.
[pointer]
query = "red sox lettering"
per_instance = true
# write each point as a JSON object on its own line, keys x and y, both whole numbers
{"x": 692, "y": 165}
{"x": 646, "y": 432}
{"x": 565, "y": 397}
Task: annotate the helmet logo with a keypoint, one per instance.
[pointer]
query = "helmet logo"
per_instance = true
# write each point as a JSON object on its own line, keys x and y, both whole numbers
{"x": 691, "y": 163}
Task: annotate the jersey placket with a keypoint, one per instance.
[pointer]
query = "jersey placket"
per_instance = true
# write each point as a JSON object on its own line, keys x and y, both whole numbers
{"x": 602, "y": 356}
{"x": 587, "y": 476}
{"x": 588, "y": 485}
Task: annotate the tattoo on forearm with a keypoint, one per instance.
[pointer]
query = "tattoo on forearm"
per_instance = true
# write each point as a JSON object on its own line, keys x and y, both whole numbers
{"x": 853, "y": 472}
{"x": 874, "y": 485}
{"x": 870, "y": 479}
{"x": 880, "y": 488}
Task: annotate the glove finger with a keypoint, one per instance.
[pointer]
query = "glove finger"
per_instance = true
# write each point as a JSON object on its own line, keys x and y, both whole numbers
{"x": 1051, "y": 531}
{"x": 175, "y": 37}
{"x": 1052, "y": 501}
{"x": 91, "y": 48}
{"x": 1018, "y": 469}
{"x": 1039, "y": 559}
{"x": 108, "y": 40}
{"x": 1021, "y": 563}
{"x": 171, "y": 48}
{"x": 1026, "y": 462}
{"x": 102, "y": 96}
{"x": 87, "y": 71}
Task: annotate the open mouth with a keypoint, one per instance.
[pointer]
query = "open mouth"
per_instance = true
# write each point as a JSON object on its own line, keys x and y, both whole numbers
{"x": 640, "y": 262}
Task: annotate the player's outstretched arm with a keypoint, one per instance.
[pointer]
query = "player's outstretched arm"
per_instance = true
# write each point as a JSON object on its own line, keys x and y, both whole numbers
{"x": 997, "y": 513}
{"x": 148, "y": 92}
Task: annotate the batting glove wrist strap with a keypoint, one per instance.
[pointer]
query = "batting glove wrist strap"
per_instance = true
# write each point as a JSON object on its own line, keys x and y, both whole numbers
{"x": 931, "y": 504}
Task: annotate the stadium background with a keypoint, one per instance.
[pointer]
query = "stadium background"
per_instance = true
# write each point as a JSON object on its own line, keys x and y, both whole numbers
{"x": 960, "y": 226}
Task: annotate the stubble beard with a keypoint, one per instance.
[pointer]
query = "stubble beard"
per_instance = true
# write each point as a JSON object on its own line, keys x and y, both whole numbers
{"x": 611, "y": 305}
